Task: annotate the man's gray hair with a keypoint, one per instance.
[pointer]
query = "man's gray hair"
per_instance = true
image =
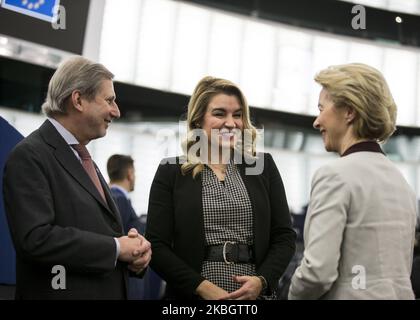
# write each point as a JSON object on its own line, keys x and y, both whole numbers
{"x": 75, "y": 73}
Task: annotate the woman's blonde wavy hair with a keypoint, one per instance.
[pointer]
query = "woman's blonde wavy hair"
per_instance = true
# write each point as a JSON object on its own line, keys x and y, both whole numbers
{"x": 206, "y": 89}
{"x": 364, "y": 89}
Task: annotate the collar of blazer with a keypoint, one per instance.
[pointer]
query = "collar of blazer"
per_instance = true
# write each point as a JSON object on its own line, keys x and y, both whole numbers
{"x": 369, "y": 146}
{"x": 69, "y": 162}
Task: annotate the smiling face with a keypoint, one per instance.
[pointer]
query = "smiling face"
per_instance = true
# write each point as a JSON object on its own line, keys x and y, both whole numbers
{"x": 224, "y": 117}
{"x": 99, "y": 112}
{"x": 332, "y": 123}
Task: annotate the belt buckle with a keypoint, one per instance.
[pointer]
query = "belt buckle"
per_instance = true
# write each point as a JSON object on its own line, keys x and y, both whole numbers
{"x": 224, "y": 252}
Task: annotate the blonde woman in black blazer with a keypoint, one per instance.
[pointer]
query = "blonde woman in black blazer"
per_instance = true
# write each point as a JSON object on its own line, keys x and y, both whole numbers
{"x": 178, "y": 212}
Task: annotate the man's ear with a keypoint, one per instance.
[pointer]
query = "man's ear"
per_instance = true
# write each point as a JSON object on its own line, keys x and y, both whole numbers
{"x": 76, "y": 100}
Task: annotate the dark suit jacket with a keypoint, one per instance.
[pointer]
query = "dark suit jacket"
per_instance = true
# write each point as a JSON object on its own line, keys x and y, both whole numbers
{"x": 175, "y": 226}
{"x": 128, "y": 215}
{"x": 415, "y": 276}
{"x": 57, "y": 217}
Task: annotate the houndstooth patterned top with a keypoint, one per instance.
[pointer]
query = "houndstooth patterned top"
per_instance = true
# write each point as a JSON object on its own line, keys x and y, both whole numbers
{"x": 228, "y": 216}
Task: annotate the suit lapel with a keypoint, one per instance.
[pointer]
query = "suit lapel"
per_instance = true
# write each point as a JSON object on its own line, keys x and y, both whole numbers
{"x": 257, "y": 195}
{"x": 72, "y": 165}
{"x": 112, "y": 206}
{"x": 191, "y": 192}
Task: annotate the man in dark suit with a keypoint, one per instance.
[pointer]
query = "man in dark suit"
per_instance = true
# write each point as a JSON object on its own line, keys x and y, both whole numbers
{"x": 122, "y": 180}
{"x": 64, "y": 224}
{"x": 122, "y": 177}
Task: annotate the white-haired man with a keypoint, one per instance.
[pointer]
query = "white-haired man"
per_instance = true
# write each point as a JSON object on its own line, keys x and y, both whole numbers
{"x": 59, "y": 207}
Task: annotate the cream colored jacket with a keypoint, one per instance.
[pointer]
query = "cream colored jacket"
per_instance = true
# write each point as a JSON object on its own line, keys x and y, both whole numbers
{"x": 359, "y": 232}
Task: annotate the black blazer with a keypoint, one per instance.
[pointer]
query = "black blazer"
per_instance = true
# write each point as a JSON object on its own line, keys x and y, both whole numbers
{"x": 57, "y": 217}
{"x": 175, "y": 226}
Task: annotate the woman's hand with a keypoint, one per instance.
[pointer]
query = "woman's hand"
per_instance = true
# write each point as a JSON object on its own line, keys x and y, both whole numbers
{"x": 250, "y": 289}
{"x": 209, "y": 291}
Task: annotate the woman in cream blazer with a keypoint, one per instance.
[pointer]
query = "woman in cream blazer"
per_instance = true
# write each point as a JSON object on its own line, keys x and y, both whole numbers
{"x": 359, "y": 231}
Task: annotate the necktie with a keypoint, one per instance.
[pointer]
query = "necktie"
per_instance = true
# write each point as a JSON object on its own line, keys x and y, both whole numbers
{"x": 89, "y": 167}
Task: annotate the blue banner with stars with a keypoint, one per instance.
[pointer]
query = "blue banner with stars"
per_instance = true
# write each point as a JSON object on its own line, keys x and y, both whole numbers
{"x": 41, "y": 9}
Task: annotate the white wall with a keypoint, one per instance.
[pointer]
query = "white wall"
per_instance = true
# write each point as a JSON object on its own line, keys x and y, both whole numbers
{"x": 170, "y": 45}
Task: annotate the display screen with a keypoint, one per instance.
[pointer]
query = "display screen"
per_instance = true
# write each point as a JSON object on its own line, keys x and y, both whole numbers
{"x": 58, "y": 24}
{"x": 41, "y": 9}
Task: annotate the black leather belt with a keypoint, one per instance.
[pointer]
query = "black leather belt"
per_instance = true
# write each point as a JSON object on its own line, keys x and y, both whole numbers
{"x": 230, "y": 253}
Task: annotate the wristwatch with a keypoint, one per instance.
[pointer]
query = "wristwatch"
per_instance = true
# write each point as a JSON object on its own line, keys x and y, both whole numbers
{"x": 263, "y": 283}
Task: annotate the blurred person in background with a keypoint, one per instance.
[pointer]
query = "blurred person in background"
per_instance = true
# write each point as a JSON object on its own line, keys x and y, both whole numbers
{"x": 122, "y": 178}
{"x": 415, "y": 272}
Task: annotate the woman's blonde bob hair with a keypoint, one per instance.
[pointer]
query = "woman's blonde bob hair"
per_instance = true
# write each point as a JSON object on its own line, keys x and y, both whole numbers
{"x": 206, "y": 89}
{"x": 364, "y": 89}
